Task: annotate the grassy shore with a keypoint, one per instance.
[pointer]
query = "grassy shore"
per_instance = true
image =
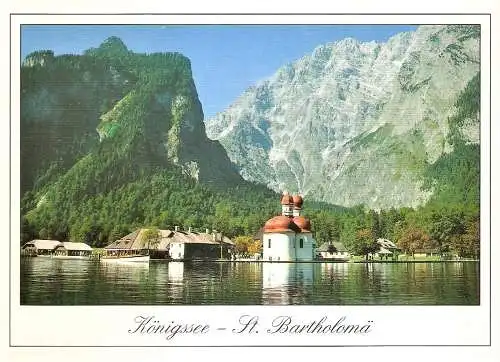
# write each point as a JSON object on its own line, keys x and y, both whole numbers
{"x": 407, "y": 259}
{"x": 354, "y": 259}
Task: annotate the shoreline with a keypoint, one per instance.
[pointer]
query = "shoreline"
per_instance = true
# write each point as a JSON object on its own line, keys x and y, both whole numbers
{"x": 288, "y": 262}
{"x": 317, "y": 261}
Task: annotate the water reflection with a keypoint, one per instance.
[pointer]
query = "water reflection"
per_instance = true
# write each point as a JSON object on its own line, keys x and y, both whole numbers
{"x": 73, "y": 282}
{"x": 175, "y": 272}
{"x": 334, "y": 270}
{"x": 124, "y": 274}
{"x": 175, "y": 277}
{"x": 286, "y": 283}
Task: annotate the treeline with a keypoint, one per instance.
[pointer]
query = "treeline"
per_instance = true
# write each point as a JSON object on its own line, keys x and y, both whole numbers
{"x": 441, "y": 229}
{"x": 90, "y": 206}
{"x": 163, "y": 198}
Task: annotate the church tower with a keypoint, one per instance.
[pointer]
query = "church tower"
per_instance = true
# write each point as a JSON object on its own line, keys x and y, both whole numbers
{"x": 287, "y": 205}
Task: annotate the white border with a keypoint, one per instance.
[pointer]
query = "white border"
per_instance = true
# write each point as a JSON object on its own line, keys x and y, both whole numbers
{"x": 392, "y": 325}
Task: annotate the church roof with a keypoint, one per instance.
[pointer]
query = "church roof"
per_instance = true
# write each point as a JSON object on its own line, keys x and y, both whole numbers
{"x": 280, "y": 223}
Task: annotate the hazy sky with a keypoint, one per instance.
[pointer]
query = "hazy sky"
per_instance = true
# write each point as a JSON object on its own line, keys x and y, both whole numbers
{"x": 225, "y": 59}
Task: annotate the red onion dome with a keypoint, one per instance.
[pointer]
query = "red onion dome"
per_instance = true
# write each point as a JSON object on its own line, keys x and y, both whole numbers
{"x": 302, "y": 222}
{"x": 297, "y": 201}
{"x": 286, "y": 199}
{"x": 279, "y": 223}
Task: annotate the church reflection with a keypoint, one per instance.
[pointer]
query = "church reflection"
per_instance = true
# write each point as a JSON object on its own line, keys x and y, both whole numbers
{"x": 287, "y": 283}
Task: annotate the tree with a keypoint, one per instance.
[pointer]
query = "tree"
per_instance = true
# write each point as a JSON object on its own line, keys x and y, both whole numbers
{"x": 374, "y": 221}
{"x": 473, "y": 238}
{"x": 348, "y": 234}
{"x": 222, "y": 217}
{"x": 364, "y": 243}
{"x": 43, "y": 233}
{"x": 326, "y": 227}
{"x": 163, "y": 219}
{"x": 151, "y": 238}
{"x": 27, "y": 231}
{"x": 413, "y": 239}
{"x": 429, "y": 243}
{"x": 468, "y": 244}
{"x": 255, "y": 247}
{"x": 446, "y": 228}
{"x": 242, "y": 244}
{"x": 76, "y": 233}
{"x": 115, "y": 234}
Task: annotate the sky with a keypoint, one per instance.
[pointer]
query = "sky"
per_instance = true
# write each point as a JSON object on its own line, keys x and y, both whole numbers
{"x": 225, "y": 59}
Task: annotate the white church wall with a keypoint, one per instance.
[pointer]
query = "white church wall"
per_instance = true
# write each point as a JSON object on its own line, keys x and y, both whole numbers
{"x": 280, "y": 248}
{"x": 306, "y": 253}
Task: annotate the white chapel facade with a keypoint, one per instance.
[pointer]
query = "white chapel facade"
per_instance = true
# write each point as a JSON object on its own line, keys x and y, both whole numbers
{"x": 288, "y": 237}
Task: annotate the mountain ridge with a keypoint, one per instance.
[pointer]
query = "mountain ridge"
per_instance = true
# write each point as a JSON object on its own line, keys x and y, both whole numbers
{"x": 323, "y": 123}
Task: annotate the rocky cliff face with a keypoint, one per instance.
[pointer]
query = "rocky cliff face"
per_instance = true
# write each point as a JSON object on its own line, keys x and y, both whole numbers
{"x": 110, "y": 103}
{"x": 354, "y": 122}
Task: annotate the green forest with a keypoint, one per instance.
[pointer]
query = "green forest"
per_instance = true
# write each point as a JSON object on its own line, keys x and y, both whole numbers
{"x": 99, "y": 186}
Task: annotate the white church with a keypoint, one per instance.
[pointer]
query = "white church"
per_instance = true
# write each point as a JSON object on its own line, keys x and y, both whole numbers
{"x": 288, "y": 237}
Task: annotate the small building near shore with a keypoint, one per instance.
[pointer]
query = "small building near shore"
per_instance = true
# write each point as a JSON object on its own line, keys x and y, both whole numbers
{"x": 40, "y": 247}
{"x": 333, "y": 251}
{"x": 193, "y": 245}
{"x": 69, "y": 248}
{"x": 387, "y": 249}
{"x": 174, "y": 244}
{"x": 135, "y": 244}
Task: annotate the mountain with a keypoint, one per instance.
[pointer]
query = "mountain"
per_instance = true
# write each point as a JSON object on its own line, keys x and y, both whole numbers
{"x": 112, "y": 140}
{"x": 133, "y": 105}
{"x": 358, "y": 123}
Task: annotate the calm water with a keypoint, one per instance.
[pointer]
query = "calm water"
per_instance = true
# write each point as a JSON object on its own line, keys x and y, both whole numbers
{"x": 80, "y": 282}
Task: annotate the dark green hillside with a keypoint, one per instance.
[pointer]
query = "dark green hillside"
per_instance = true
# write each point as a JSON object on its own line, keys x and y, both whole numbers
{"x": 455, "y": 177}
{"x": 61, "y": 101}
{"x": 125, "y": 96}
{"x": 76, "y": 208}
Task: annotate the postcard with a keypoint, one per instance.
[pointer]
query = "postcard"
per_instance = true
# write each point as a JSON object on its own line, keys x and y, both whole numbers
{"x": 250, "y": 180}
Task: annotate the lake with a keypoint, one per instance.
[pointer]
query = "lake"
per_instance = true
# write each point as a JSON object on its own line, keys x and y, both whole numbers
{"x": 46, "y": 281}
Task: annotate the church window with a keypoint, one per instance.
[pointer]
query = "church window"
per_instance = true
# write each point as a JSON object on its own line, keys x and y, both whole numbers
{"x": 301, "y": 243}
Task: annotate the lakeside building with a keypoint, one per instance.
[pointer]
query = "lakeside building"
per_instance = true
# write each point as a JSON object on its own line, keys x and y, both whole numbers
{"x": 192, "y": 245}
{"x": 135, "y": 244}
{"x": 333, "y": 251}
{"x": 41, "y": 247}
{"x": 288, "y": 237}
{"x": 175, "y": 244}
{"x": 387, "y": 249}
{"x": 72, "y": 249}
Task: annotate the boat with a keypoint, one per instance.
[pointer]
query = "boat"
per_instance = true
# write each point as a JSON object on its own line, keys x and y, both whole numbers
{"x": 78, "y": 257}
{"x": 125, "y": 258}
